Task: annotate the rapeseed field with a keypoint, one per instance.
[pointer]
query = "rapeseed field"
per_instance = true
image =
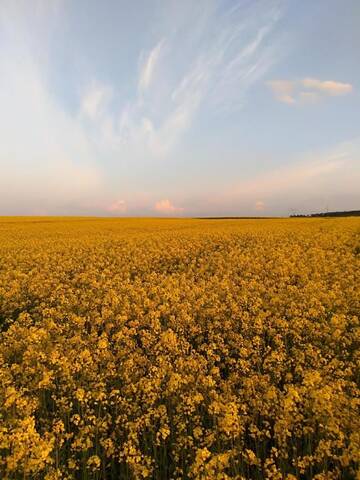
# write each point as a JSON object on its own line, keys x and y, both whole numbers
{"x": 179, "y": 349}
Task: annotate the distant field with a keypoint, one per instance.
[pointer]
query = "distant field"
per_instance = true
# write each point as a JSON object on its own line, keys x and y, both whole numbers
{"x": 179, "y": 349}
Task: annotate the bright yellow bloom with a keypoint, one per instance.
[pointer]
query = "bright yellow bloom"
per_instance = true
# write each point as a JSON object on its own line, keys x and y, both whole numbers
{"x": 173, "y": 349}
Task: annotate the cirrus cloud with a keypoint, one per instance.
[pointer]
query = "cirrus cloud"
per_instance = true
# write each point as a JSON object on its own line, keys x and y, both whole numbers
{"x": 178, "y": 79}
{"x": 149, "y": 66}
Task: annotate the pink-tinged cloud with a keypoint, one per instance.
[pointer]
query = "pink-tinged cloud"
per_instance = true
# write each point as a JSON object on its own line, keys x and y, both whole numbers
{"x": 283, "y": 90}
{"x": 118, "y": 206}
{"x": 166, "y": 207}
{"x": 290, "y": 91}
{"x": 259, "y": 206}
{"x": 329, "y": 87}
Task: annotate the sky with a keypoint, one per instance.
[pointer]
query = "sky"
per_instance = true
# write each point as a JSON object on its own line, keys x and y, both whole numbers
{"x": 179, "y": 108}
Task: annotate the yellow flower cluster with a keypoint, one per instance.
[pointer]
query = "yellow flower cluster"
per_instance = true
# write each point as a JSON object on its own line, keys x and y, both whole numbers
{"x": 179, "y": 349}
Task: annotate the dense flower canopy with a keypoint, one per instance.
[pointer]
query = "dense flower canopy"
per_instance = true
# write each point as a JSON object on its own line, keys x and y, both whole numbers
{"x": 174, "y": 349}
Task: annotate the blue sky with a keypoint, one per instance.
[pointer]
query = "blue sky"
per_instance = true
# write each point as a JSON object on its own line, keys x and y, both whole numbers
{"x": 126, "y": 108}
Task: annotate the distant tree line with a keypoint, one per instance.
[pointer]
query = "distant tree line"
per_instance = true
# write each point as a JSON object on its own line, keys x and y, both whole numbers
{"x": 351, "y": 213}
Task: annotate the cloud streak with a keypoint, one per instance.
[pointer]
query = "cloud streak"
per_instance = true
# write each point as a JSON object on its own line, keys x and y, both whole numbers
{"x": 149, "y": 66}
{"x": 311, "y": 179}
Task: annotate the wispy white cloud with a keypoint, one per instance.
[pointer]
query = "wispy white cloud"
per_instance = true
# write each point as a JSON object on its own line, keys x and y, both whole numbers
{"x": 204, "y": 67}
{"x": 95, "y": 100}
{"x": 149, "y": 65}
